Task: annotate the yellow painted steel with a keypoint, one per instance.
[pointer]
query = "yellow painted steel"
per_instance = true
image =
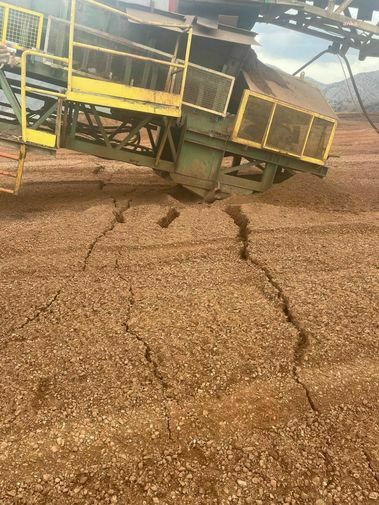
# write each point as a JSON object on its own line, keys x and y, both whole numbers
{"x": 240, "y": 116}
{"x": 103, "y": 93}
{"x": 122, "y": 103}
{"x": 307, "y": 135}
{"x": 5, "y": 23}
{"x": 40, "y": 138}
{"x": 186, "y": 62}
{"x": 71, "y": 44}
{"x": 7, "y": 8}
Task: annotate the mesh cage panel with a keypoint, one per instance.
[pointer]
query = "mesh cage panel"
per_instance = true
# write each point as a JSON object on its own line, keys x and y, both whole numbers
{"x": 255, "y": 119}
{"x": 207, "y": 89}
{"x": 23, "y": 29}
{"x": 288, "y": 130}
{"x": 318, "y": 138}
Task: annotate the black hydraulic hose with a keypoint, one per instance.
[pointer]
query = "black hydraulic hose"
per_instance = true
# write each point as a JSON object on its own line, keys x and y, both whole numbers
{"x": 311, "y": 61}
{"x": 364, "y": 110}
{"x": 360, "y": 101}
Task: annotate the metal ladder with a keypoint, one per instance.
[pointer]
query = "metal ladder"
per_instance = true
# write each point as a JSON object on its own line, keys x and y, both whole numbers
{"x": 20, "y": 158}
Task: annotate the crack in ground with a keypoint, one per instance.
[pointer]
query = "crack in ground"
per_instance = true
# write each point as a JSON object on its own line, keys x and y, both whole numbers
{"x": 169, "y": 218}
{"x": 242, "y": 221}
{"x": 371, "y": 465}
{"x": 149, "y": 357}
{"x": 41, "y": 310}
{"x": 118, "y": 217}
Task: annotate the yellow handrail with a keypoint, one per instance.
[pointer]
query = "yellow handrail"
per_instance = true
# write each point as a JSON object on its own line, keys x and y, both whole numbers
{"x": 129, "y": 55}
{"x": 72, "y": 43}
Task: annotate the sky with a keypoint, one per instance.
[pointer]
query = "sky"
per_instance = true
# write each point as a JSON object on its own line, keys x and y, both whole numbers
{"x": 289, "y": 50}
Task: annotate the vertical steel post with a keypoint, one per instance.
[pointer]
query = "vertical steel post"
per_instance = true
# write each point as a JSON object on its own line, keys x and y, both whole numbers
{"x": 71, "y": 44}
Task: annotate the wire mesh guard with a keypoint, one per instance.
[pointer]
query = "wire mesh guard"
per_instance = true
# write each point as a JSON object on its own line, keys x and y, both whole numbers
{"x": 270, "y": 125}
{"x": 208, "y": 90}
{"x": 23, "y": 28}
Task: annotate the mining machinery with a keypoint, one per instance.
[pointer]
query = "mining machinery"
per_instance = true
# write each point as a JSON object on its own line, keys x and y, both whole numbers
{"x": 171, "y": 85}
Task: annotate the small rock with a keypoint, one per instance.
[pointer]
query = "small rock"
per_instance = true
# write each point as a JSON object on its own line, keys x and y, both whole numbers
{"x": 11, "y": 493}
{"x": 241, "y": 483}
{"x": 374, "y": 495}
{"x": 320, "y": 502}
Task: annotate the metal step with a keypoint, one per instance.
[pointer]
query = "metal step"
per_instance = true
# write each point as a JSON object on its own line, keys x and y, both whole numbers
{"x": 17, "y": 175}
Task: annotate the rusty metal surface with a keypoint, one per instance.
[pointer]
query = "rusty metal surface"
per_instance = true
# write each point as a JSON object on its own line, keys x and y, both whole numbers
{"x": 263, "y": 79}
{"x": 200, "y": 28}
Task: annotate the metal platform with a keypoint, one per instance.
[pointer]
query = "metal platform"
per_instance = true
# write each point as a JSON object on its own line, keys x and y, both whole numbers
{"x": 160, "y": 90}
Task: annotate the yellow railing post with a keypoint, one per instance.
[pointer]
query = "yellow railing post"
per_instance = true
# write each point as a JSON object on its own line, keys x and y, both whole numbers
{"x": 5, "y": 24}
{"x": 71, "y": 44}
{"x": 25, "y": 88}
{"x": 186, "y": 62}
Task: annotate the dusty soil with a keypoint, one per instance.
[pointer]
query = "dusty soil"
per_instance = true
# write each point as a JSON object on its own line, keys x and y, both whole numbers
{"x": 159, "y": 350}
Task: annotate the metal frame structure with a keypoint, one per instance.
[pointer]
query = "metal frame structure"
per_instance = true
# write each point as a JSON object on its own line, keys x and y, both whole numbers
{"x": 346, "y": 22}
{"x": 187, "y": 142}
{"x": 86, "y": 90}
{"x": 102, "y": 93}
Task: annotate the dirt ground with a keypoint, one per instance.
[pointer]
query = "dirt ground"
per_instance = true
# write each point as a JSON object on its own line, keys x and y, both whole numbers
{"x": 159, "y": 350}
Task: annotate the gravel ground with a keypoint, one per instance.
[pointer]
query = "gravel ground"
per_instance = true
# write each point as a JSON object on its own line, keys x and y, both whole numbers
{"x": 158, "y": 350}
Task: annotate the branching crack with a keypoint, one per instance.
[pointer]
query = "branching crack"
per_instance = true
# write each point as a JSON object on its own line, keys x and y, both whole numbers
{"x": 118, "y": 217}
{"x": 302, "y": 344}
{"x": 41, "y": 310}
{"x": 152, "y": 363}
{"x": 169, "y": 218}
{"x": 371, "y": 465}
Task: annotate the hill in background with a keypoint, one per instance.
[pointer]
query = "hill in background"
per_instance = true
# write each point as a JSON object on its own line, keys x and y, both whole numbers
{"x": 341, "y": 95}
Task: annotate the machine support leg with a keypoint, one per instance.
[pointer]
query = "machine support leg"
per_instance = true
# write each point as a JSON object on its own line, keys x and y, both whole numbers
{"x": 268, "y": 176}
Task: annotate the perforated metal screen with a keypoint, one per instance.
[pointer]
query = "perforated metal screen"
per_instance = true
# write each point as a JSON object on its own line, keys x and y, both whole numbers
{"x": 318, "y": 138}
{"x": 255, "y": 119}
{"x": 288, "y": 130}
{"x": 266, "y": 123}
